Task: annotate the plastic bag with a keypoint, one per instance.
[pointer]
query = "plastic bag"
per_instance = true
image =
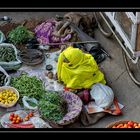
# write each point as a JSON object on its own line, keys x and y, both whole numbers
{"x": 13, "y": 65}
{"x": 2, "y": 37}
{"x": 7, "y": 79}
{"x": 25, "y": 100}
{"x": 39, "y": 123}
{"x": 102, "y": 94}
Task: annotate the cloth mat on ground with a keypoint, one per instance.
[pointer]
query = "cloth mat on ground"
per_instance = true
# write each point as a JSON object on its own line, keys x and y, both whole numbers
{"x": 92, "y": 115}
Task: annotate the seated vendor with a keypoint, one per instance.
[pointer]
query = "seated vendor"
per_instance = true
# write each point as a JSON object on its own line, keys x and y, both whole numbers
{"x": 78, "y": 70}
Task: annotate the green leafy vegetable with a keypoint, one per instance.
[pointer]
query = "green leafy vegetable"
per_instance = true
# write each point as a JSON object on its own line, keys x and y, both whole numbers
{"x": 52, "y": 106}
{"x": 20, "y": 35}
{"x": 28, "y": 86}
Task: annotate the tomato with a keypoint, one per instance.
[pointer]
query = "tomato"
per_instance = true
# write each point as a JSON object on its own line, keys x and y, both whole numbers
{"x": 130, "y": 123}
{"x": 12, "y": 114}
{"x": 135, "y": 124}
{"x": 139, "y": 124}
{"x": 30, "y": 114}
{"x": 125, "y": 126}
{"x": 14, "y": 119}
{"x": 13, "y": 122}
{"x": 26, "y": 118}
{"x": 18, "y": 118}
{"x": 17, "y": 121}
{"x": 136, "y": 127}
{"x": 114, "y": 127}
{"x": 120, "y": 125}
{"x": 16, "y": 115}
{"x": 11, "y": 118}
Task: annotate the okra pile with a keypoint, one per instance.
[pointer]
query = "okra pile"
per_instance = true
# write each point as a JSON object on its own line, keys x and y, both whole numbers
{"x": 7, "y": 54}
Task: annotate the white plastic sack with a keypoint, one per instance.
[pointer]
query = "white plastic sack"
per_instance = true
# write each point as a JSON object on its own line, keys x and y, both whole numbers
{"x": 103, "y": 95}
{"x": 25, "y": 100}
{"x": 7, "y": 79}
{"x": 13, "y": 65}
{"x": 2, "y": 37}
{"x": 39, "y": 123}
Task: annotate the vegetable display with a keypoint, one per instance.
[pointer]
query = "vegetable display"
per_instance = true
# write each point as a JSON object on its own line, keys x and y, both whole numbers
{"x": 2, "y": 78}
{"x": 7, "y": 97}
{"x": 28, "y": 86}
{"x": 129, "y": 124}
{"x": 20, "y": 35}
{"x": 15, "y": 118}
{"x": 28, "y": 125}
{"x": 52, "y": 106}
{"x": 7, "y": 54}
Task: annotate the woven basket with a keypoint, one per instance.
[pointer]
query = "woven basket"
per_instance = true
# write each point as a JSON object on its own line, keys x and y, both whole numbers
{"x": 32, "y": 61}
{"x": 73, "y": 102}
{"x": 118, "y": 122}
{"x": 12, "y": 89}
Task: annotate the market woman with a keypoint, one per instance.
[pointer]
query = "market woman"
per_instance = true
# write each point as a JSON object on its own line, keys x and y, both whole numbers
{"x": 78, "y": 70}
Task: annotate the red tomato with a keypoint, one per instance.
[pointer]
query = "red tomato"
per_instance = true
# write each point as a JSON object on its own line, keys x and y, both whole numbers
{"x": 30, "y": 114}
{"x": 125, "y": 126}
{"x": 21, "y": 120}
{"x": 135, "y": 124}
{"x": 17, "y": 121}
{"x": 11, "y": 118}
{"x": 26, "y": 118}
{"x": 130, "y": 123}
{"x": 12, "y": 114}
{"x": 16, "y": 115}
{"x": 13, "y": 122}
{"x": 14, "y": 119}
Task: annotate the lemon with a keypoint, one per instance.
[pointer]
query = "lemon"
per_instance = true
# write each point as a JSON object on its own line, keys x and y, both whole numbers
{"x": 14, "y": 94}
{"x": 9, "y": 102}
{"x": 3, "y": 101}
{"x": 6, "y": 103}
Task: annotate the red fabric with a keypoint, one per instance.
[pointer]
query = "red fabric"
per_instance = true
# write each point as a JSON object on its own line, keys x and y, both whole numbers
{"x": 117, "y": 110}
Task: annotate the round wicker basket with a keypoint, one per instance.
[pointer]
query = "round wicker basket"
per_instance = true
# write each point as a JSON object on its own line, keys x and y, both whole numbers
{"x": 74, "y": 108}
{"x": 118, "y": 122}
{"x": 12, "y": 89}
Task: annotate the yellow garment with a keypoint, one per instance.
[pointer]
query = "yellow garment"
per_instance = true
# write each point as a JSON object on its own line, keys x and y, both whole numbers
{"x": 80, "y": 72}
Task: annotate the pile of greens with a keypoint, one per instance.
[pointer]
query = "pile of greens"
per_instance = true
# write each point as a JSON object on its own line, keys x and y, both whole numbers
{"x": 52, "y": 106}
{"x": 28, "y": 86}
{"x": 7, "y": 54}
{"x": 20, "y": 35}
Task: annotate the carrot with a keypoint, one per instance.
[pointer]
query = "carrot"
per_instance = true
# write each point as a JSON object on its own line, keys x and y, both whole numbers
{"x": 11, "y": 125}
{"x": 29, "y": 125}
